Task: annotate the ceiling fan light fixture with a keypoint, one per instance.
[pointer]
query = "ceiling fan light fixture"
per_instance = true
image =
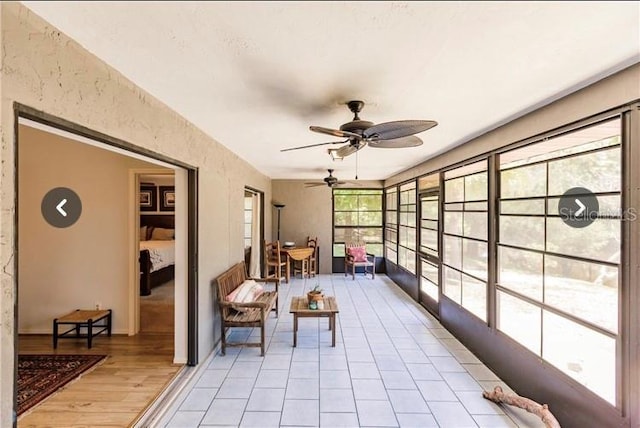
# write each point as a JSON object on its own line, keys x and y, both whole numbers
{"x": 334, "y": 155}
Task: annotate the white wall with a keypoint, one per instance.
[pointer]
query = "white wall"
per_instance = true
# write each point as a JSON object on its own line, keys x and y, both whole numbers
{"x": 43, "y": 69}
{"x": 86, "y": 263}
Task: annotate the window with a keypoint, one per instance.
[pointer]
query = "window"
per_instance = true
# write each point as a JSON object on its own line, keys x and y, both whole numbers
{"x": 248, "y": 218}
{"x": 465, "y": 237}
{"x": 357, "y": 217}
{"x": 558, "y": 286}
{"x": 391, "y": 225}
{"x": 407, "y": 227}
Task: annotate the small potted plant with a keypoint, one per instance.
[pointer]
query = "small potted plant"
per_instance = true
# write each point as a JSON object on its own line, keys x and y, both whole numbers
{"x": 315, "y": 295}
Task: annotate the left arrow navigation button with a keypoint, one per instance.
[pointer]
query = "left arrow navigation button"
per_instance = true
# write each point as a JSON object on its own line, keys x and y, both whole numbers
{"x": 61, "y": 207}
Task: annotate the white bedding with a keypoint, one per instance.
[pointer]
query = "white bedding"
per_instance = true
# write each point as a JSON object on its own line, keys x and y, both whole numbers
{"x": 162, "y": 253}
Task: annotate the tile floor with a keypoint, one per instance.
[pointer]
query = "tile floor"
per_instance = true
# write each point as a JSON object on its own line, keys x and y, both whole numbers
{"x": 393, "y": 365}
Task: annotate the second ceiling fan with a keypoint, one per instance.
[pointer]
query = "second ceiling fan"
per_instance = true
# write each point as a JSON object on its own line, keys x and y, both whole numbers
{"x": 359, "y": 133}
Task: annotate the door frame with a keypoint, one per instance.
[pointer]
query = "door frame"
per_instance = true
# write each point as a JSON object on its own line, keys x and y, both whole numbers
{"x": 22, "y": 111}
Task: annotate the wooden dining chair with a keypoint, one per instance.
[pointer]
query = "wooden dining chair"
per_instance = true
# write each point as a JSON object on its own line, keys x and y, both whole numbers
{"x": 313, "y": 260}
{"x": 273, "y": 263}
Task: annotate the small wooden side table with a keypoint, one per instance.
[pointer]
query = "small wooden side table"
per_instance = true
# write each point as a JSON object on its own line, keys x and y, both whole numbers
{"x": 82, "y": 319}
{"x": 300, "y": 308}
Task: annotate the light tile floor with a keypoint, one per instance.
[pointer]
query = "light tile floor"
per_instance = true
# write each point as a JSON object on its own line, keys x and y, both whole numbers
{"x": 393, "y": 365}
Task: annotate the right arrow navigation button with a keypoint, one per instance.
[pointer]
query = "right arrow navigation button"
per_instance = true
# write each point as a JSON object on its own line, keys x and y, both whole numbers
{"x": 578, "y": 207}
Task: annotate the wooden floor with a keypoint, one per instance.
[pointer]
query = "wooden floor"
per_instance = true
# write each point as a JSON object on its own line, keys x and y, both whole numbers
{"x": 116, "y": 392}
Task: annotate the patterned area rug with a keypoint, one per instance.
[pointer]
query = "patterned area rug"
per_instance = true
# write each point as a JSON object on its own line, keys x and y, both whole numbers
{"x": 41, "y": 375}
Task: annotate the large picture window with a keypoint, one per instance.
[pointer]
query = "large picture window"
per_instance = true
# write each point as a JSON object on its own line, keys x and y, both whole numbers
{"x": 357, "y": 217}
{"x": 558, "y": 285}
{"x": 464, "y": 255}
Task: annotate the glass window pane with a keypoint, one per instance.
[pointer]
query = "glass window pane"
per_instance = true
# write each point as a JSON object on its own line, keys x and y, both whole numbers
{"x": 524, "y": 206}
{"x": 519, "y": 320}
{"x": 392, "y": 217}
{"x": 603, "y": 134}
{"x": 429, "y": 224}
{"x": 452, "y": 284}
{"x": 598, "y": 171}
{"x": 344, "y": 202}
{"x": 475, "y": 206}
{"x": 586, "y": 290}
{"x": 453, "y": 222}
{"x": 371, "y": 218}
{"x": 474, "y": 258}
{"x": 452, "y": 254}
{"x": 429, "y": 209}
{"x": 453, "y": 207}
{"x": 475, "y": 187}
{"x": 520, "y": 271}
{"x": 338, "y": 250}
{"x": 454, "y": 190}
{"x": 375, "y": 249}
{"x": 474, "y": 296}
{"x": 345, "y": 218}
{"x": 429, "y": 238}
{"x": 402, "y": 256}
{"x": 584, "y": 354}
{"x": 430, "y": 289}
{"x": 598, "y": 241}
{"x": 392, "y": 255}
{"x": 391, "y": 235}
{"x": 247, "y": 216}
{"x": 392, "y": 200}
{"x": 475, "y": 225}
{"x": 526, "y": 232}
{"x": 370, "y": 203}
{"x": 429, "y": 271}
{"x": 524, "y": 181}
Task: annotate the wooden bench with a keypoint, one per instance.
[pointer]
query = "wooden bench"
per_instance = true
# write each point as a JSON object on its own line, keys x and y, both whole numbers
{"x": 78, "y": 319}
{"x": 256, "y": 312}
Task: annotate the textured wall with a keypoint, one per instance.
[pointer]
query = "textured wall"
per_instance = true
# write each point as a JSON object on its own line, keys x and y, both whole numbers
{"x": 46, "y": 70}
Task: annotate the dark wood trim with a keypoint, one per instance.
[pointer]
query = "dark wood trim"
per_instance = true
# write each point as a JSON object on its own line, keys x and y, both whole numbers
{"x": 65, "y": 125}
{"x": 16, "y": 270}
{"x": 24, "y": 111}
{"x": 192, "y": 266}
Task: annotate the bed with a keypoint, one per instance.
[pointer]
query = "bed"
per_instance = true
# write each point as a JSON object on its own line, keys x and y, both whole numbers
{"x": 157, "y": 251}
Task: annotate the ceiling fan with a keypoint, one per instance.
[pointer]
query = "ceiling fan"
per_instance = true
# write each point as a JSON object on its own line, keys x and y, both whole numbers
{"x": 330, "y": 181}
{"x": 359, "y": 133}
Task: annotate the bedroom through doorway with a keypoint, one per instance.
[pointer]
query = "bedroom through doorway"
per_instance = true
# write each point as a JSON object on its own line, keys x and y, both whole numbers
{"x": 157, "y": 252}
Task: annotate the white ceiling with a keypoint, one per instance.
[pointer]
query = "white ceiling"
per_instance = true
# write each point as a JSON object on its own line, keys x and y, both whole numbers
{"x": 255, "y": 75}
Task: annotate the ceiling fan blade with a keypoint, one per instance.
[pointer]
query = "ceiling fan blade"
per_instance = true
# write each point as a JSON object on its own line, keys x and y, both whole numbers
{"x": 335, "y": 132}
{"x": 397, "y": 129}
{"x": 314, "y": 184}
{"x": 313, "y": 145}
{"x": 396, "y": 143}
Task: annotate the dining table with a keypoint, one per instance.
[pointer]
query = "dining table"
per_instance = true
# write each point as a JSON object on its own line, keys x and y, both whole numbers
{"x": 296, "y": 254}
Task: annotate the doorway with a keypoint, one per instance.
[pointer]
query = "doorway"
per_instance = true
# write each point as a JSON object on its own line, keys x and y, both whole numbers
{"x": 86, "y": 264}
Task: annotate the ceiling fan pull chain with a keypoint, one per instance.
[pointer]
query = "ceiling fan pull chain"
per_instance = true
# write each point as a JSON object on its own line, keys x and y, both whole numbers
{"x": 357, "y": 164}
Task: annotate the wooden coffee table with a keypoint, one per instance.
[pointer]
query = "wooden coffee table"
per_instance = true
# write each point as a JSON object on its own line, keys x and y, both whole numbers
{"x": 300, "y": 308}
